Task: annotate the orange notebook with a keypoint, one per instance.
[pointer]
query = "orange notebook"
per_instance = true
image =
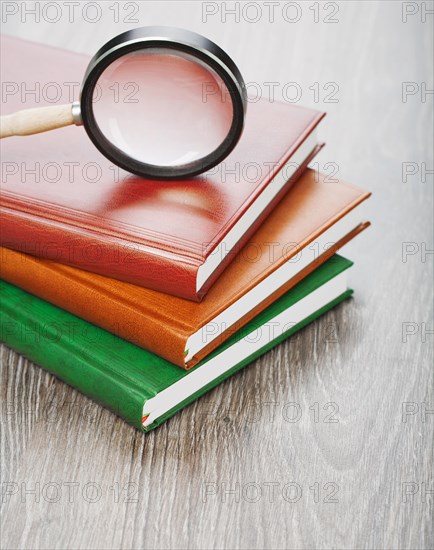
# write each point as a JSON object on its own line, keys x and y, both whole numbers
{"x": 314, "y": 220}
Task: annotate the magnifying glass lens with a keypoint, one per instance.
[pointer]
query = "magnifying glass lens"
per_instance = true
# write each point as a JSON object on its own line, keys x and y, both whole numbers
{"x": 162, "y": 107}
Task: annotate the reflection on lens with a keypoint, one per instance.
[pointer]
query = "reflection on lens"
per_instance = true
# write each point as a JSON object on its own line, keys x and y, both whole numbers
{"x": 162, "y": 107}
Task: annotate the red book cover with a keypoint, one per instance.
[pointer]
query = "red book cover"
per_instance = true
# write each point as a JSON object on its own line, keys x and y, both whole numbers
{"x": 62, "y": 200}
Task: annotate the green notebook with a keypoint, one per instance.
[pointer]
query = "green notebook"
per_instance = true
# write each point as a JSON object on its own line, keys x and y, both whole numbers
{"x": 139, "y": 386}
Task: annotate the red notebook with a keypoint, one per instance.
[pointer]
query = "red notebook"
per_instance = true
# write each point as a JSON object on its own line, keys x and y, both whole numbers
{"x": 62, "y": 200}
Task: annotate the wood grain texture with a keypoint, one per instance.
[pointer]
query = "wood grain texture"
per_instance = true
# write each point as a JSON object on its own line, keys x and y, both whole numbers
{"x": 348, "y": 478}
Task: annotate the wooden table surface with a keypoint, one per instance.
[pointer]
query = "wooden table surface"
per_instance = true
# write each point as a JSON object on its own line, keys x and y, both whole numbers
{"x": 326, "y": 441}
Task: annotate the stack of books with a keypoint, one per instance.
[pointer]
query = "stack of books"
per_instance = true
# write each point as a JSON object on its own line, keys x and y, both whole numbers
{"x": 146, "y": 294}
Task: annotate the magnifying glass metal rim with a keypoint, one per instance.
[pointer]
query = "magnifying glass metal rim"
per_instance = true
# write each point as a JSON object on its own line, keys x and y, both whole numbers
{"x": 182, "y": 41}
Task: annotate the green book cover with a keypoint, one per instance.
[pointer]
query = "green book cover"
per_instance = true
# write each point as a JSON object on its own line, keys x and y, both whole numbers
{"x": 139, "y": 386}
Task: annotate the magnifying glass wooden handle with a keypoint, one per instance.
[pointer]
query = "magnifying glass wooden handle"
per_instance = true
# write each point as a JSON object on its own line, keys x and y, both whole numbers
{"x": 35, "y": 121}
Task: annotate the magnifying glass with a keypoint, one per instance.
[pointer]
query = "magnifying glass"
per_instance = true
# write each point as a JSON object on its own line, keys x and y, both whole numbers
{"x": 160, "y": 102}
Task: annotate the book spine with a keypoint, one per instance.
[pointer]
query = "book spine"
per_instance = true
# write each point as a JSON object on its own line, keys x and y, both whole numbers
{"x": 140, "y": 326}
{"x": 61, "y": 344}
{"x": 98, "y": 253}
